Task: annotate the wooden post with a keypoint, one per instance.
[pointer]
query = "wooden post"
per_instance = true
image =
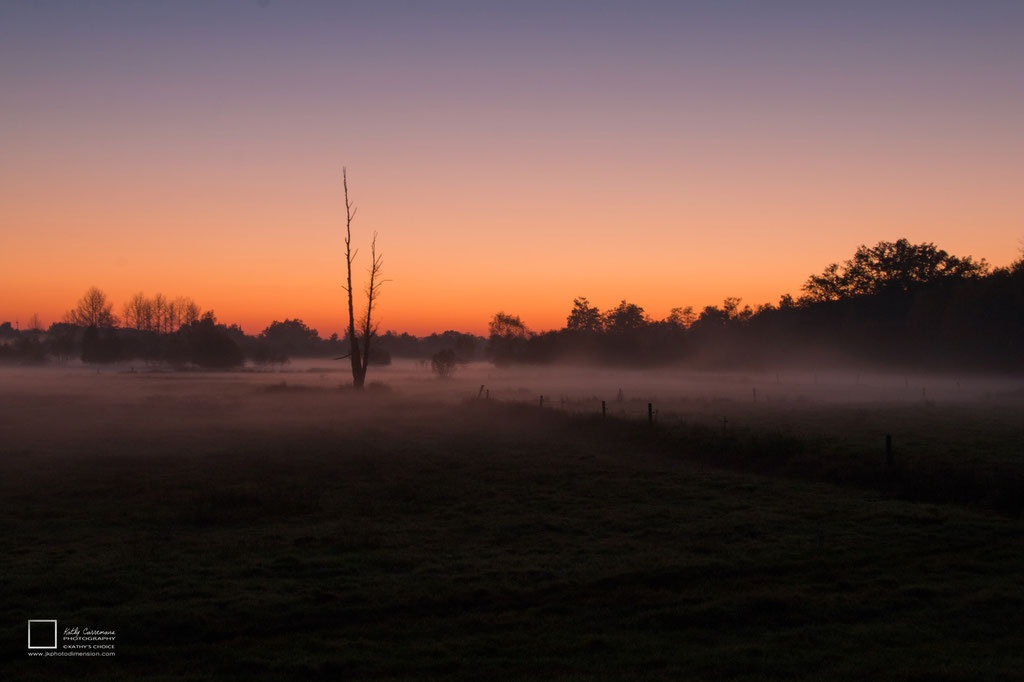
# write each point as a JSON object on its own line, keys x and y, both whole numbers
{"x": 650, "y": 414}
{"x": 604, "y": 409}
{"x": 488, "y": 394}
{"x": 725, "y": 422}
{"x": 888, "y": 451}
{"x": 755, "y": 394}
{"x": 480, "y": 392}
{"x": 542, "y": 401}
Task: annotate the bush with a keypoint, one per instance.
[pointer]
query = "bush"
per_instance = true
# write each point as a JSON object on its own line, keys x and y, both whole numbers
{"x": 443, "y": 363}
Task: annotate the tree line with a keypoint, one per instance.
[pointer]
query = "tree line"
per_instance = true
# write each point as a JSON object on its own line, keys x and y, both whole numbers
{"x": 894, "y": 303}
{"x": 175, "y": 331}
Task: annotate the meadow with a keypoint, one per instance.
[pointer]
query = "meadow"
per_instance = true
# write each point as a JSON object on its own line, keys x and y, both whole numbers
{"x": 279, "y": 525}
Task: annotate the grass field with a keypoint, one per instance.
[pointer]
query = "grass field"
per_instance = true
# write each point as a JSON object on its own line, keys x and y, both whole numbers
{"x": 232, "y": 528}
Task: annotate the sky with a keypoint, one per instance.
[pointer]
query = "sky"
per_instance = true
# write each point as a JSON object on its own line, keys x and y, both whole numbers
{"x": 511, "y": 156}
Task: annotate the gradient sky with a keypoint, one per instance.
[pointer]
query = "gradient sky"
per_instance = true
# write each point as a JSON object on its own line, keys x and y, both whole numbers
{"x": 511, "y": 155}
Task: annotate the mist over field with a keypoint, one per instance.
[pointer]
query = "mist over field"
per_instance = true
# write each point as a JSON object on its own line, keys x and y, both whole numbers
{"x": 70, "y": 403}
{"x": 428, "y": 527}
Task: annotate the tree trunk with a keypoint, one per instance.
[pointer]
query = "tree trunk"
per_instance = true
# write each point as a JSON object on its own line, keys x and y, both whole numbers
{"x": 358, "y": 372}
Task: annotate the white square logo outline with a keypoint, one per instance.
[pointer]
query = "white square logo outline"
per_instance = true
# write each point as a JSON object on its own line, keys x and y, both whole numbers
{"x": 54, "y": 634}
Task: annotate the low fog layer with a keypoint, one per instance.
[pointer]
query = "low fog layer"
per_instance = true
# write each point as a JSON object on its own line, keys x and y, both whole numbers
{"x": 60, "y": 410}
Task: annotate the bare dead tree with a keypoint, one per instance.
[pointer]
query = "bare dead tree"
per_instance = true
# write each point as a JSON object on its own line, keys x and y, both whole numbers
{"x": 359, "y": 354}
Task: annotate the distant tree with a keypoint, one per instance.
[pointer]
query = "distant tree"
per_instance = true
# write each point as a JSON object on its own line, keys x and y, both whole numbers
{"x": 137, "y": 312}
{"x": 507, "y": 338}
{"x": 93, "y": 310}
{"x": 889, "y": 266}
{"x": 712, "y": 316}
{"x": 504, "y": 325}
{"x": 161, "y": 312}
{"x": 360, "y": 354}
{"x": 212, "y": 345}
{"x": 443, "y": 363}
{"x": 1017, "y": 266}
{"x": 681, "y": 317}
{"x": 731, "y": 306}
{"x": 625, "y": 317}
{"x": 173, "y": 316}
{"x": 291, "y": 337}
{"x": 188, "y": 310}
{"x": 584, "y": 317}
{"x": 34, "y": 323}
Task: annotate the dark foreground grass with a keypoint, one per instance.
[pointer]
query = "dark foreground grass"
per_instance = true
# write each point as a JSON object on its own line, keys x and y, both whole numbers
{"x": 498, "y": 543}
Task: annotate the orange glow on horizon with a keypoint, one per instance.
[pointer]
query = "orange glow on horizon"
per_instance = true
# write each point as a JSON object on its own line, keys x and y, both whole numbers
{"x": 613, "y": 164}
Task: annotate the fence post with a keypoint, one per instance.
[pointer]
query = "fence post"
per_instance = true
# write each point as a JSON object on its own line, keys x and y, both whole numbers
{"x": 888, "y": 451}
{"x": 650, "y": 414}
{"x": 604, "y": 410}
{"x": 542, "y": 401}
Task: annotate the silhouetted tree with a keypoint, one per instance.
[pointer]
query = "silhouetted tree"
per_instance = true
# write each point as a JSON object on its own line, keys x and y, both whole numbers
{"x": 291, "y": 337}
{"x": 93, "y": 309}
{"x": 212, "y": 345}
{"x": 625, "y": 317}
{"x": 681, "y": 317}
{"x": 138, "y": 313}
{"x": 163, "y": 314}
{"x": 1017, "y": 266}
{"x": 584, "y": 317}
{"x": 507, "y": 337}
{"x": 187, "y": 310}
{"x": 890, "y": 266}
{"x": 360, "y": 354}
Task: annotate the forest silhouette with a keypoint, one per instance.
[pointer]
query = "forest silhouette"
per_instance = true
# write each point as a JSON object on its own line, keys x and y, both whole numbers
{"x": 892, "y": 304}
